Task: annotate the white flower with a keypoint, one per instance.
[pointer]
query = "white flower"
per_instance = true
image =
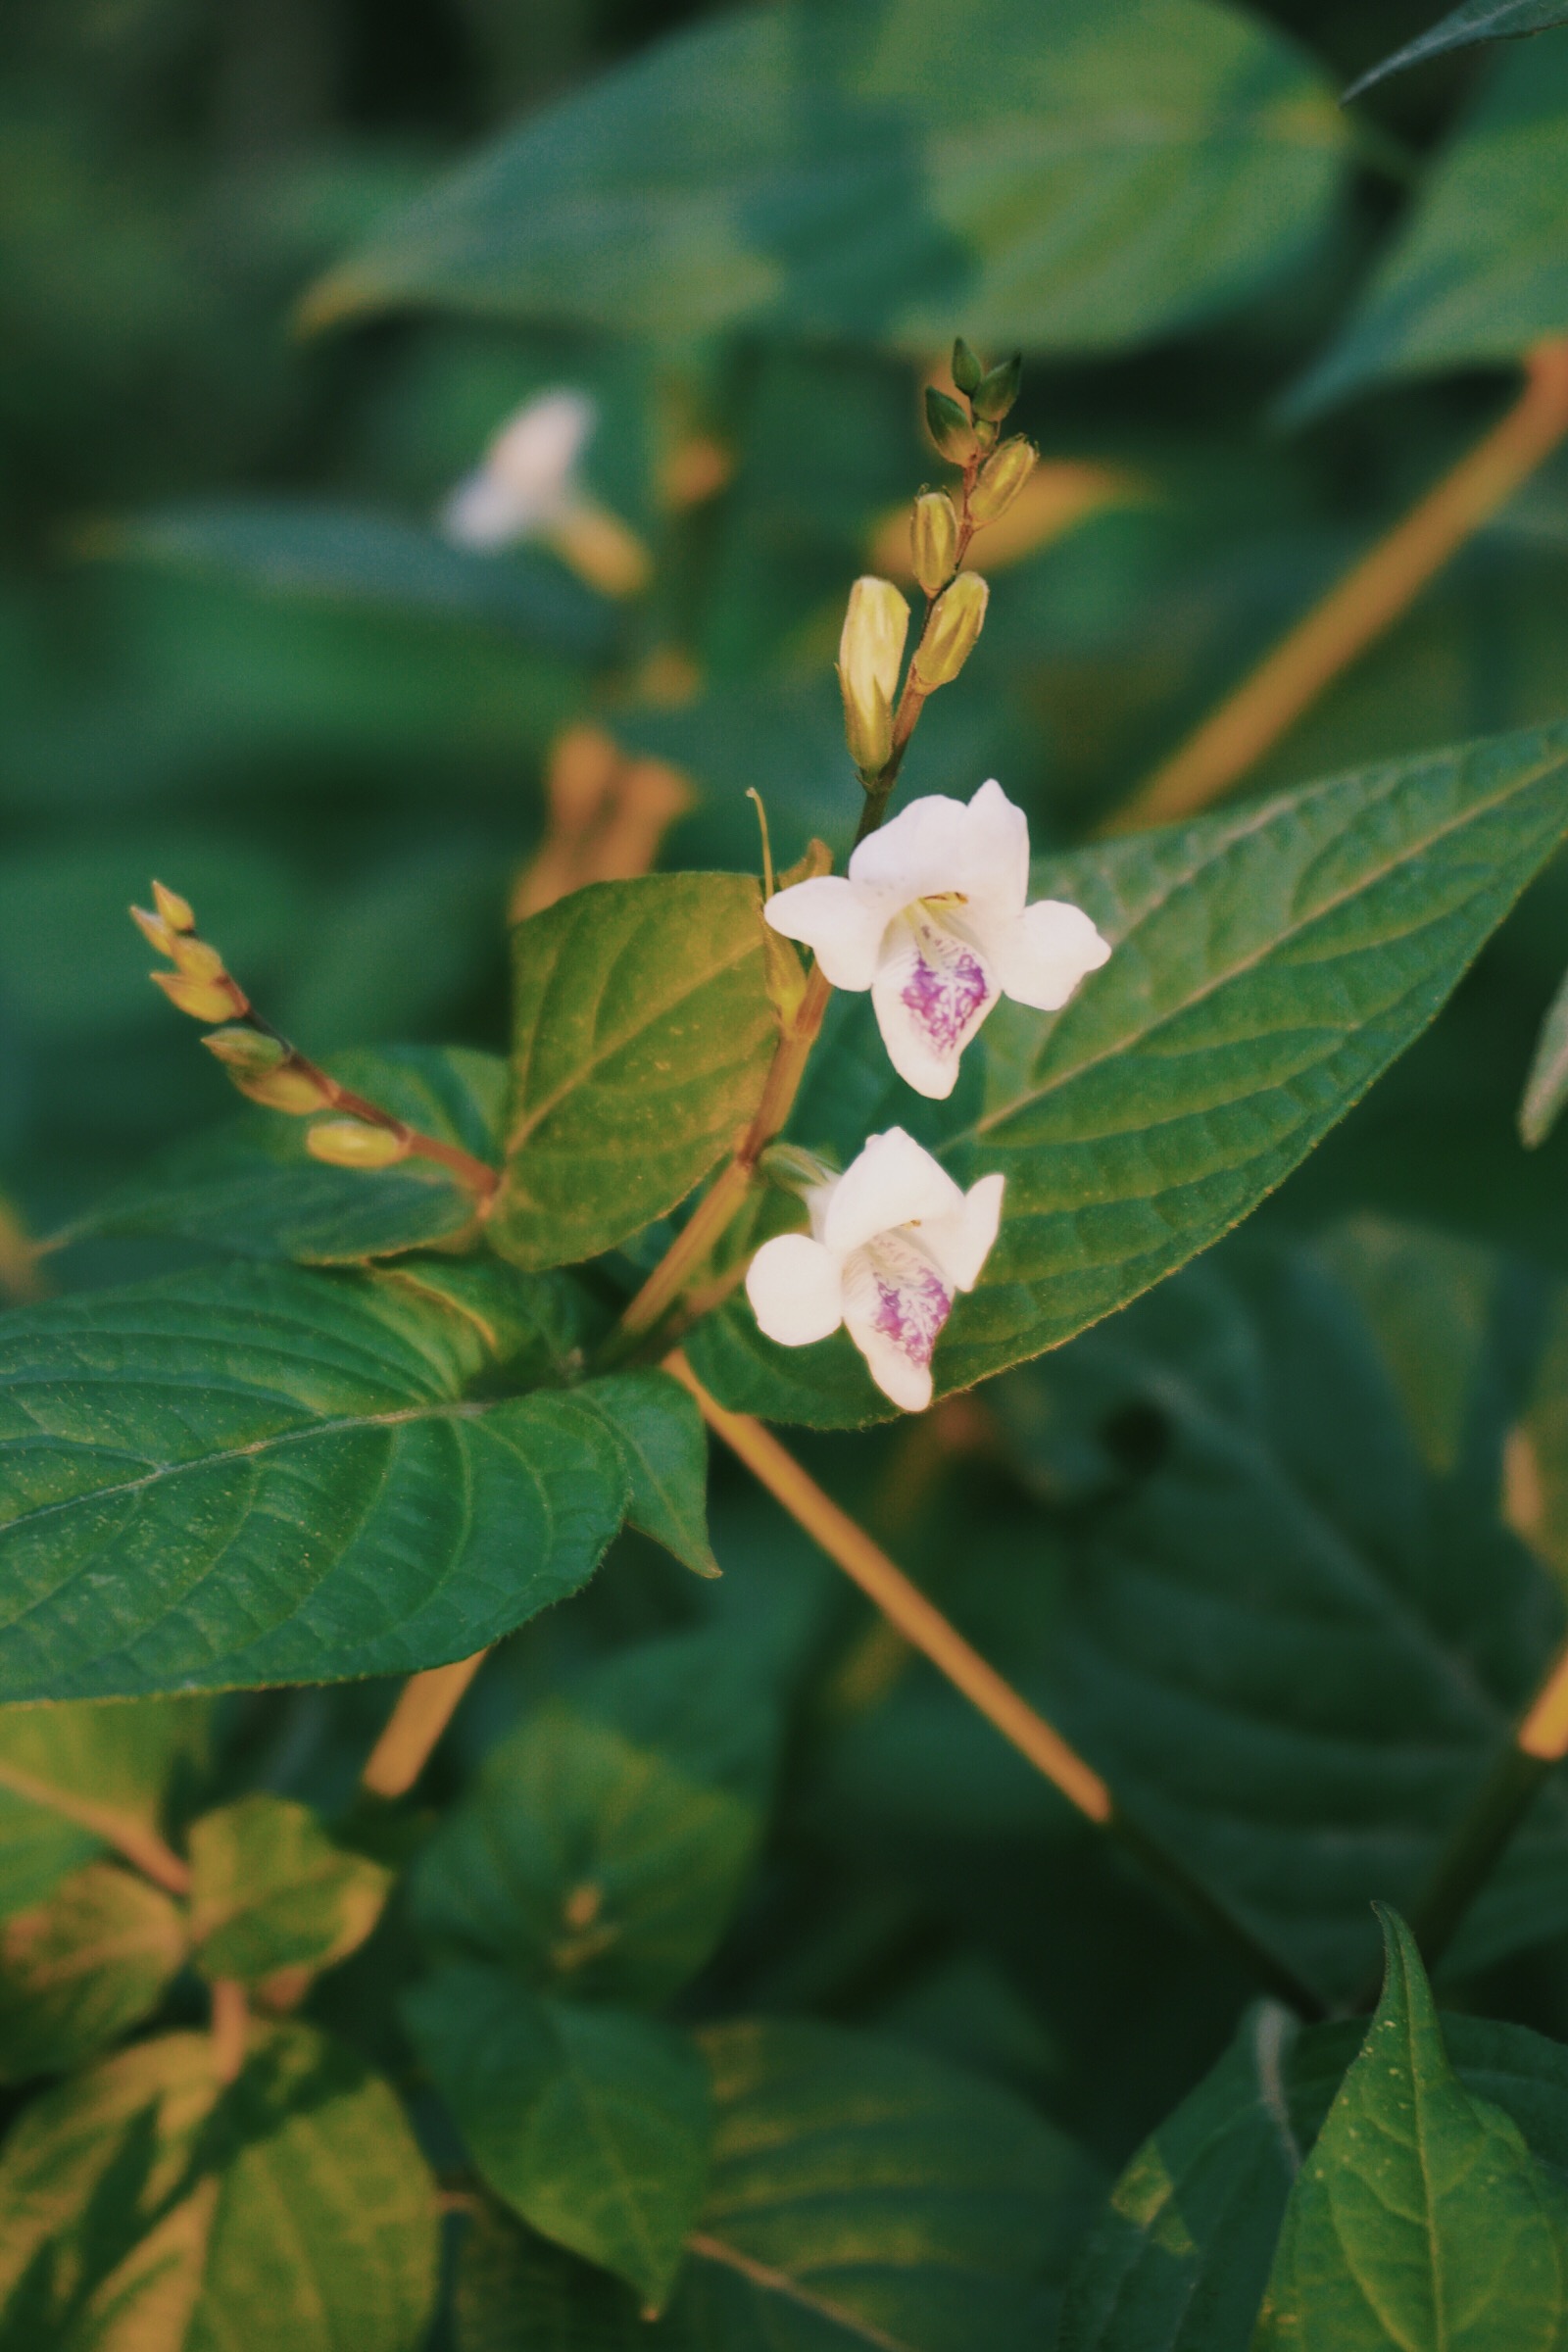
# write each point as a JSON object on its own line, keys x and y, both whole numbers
{"x": 892, "y": 1243}
{"x": 932, "y": 919}
{"x": 527, "y": 482}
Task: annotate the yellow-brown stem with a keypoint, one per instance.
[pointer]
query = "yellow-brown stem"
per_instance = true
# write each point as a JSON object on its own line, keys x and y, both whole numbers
{"x": 232, "y": 2019}
{"x": 425, "y": 1705}
{"x": 1363, "y": 605}
{"x": 138, "y": 1844}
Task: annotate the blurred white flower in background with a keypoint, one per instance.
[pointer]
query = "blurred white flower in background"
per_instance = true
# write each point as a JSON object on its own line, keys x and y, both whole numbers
{"x": 527, "y": 486}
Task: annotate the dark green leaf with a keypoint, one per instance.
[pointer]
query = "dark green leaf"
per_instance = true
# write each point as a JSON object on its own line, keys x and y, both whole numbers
{"x": 257, "y": 1474}
{"x": 603, "y": 1848}
{"x": 656, "y": 1424}
{"x": 641, "y": 1036}
{"x": 83, "y": 1969}
{"x": 143, "y": 2203}
{"x": 1269, "y": 962}
{"x": 1421, "y": 2216}
{"x": 77, "y": 1780}
{"x": 251, "y": 1188}
{"x": 1473, "y": 21}
{"x": 270, "y": 1890}
{"x": 860, "y": 169}
{"x": 591, "y": 2122}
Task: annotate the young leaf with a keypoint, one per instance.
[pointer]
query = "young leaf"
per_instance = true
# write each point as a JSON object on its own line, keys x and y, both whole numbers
{"x": 256, "y": 1474}
{"x": 291, "y": 2211}
{"x": 83, "y": 1969}
{"x": 1421, "y": 2216}
{"x": 641, "y": 1036}
{"x": 1481, "y": 272}
{"x": 269, "y": 1890}
{"x": 592, "y": 2123}
{"x": 77, "y": 1780}
{"x": 1076, "y": 190}
{"x": 659, "y": 1431}
{"x": 252, "y": 1190}
{"x": 603, "y": 1845}
{"x": 1269, "y": 962}
{"x": 1472, "y": 21}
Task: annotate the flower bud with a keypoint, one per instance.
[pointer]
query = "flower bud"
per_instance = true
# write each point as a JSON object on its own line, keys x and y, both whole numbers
{"x": 966, "y": 368}
{"x": 354, "y": 1144}
{"x": 934, "y": 538}
{"x": 154, "y": 930}
{"x": 1001, "y": 479}
{"x": 293, "y": 1086}
{"x": 176, "y": 911}
{"x": 194, "y": 957}
{"x": 203, "y": 1000}
{"x": 996, "y": 391}
{"x": 870, "y": 652}
{"x": 794, "y": 1170}
{"x": 245, "y": 1053}
{"x": 956, "y": 619}
{"x": 949, "y": 428}
{"x": 784, "y": 976}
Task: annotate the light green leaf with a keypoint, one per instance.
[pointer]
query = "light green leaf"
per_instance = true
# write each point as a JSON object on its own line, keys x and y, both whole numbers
{"x": 1481, "y": 272}
{"x": 83, "y": 1969}
{"x": 846, "y": 169}
{"x": 641, "y": 1036}
{"x": 1268, "y": 964}
{"x": 1421, "y": 2216}
{"x": 1473, "y": 21}
{"x": 604, "y": 1843}
{"x": 75, "y": 1781}
{"x": 256, "y": 1474}
{"x": 655, "y": 1422}
{"x": 592, "y": 2123}
{"x": 250, "y": 1186}
{"x": 1546, "y": 1087}
{"x": 145, "y": 2203}
{"x": 270, "y": 1891}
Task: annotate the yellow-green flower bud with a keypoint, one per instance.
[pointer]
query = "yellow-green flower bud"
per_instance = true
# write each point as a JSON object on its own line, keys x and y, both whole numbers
{"x": 949, "y": 427}
{"x": 246, "y": 1053}
{"x": 870, "y": 653}
{"x": 176, "y": 911}
{"x": 293, "y": 1086}
{"x": 1001, "y": 479}
{"x": 203, "y": 1000}
{"x": 354, "y": 1144}
{"x": 956, "y": 619}
{"x": 154, "y": 930}
{"x": 194, "y": 957}
{"x": 934, "y": 539}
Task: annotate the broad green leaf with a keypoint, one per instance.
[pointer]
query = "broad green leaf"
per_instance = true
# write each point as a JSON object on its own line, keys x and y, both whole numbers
{"x": 1268, "y": 964}
{"x": 145, "y": 2203}
{"x": 257, "y": 1474}
{"x": 312, "y": 552}
{"x": 1480, "y": 272}
{"x": 1421, "y": 2216}
{"x": 604, "y": 1843}
{"x": 1473, "y": 21}
{"x": 664, "y": 1449}
{"x": 251, "y": 1188}
{"x": 77, "y": 1780}
{"x": 1546, "y": 1087}
{"x": 590, "y": 2122}
{"x": 270, "y": 1891}
{"x": 641, "y": 1036}
{"x": 855, "y": 170}
{"x": 83, "y": 1968}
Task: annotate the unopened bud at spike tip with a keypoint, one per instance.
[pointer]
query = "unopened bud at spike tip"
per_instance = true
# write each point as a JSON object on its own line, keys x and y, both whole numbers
{"x": 870, "y": 654}
{"x": 154, "y": 930}
{"x": 203, "y": 1000}
{"x": 949, "y": 428}
{"x": 354, "y": 1144}
{"x": 176, "y": 911}
{"x": 999, "y": 388}
{"x": 934, "y": 539}
{"x": 1001, "y": 479}
{"x": 956, "y": 619}
{"x": 967, "y": 371}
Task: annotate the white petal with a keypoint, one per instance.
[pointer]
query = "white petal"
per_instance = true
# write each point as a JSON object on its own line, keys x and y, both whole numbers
{"x": 484, "y": 513}
{"x": 932, "y": 991}
{"x": 994, "y": 871}
{"x": 894, "y": 1181}
{"x": 842, "y": 923}
{"x": 917, "y": 855}
{"x": 1043, "y": 956}
{"x": 796, "y": 1290}
{"x": 535, "y": 451}
{"x": 895, "y": 1304}
{"x": 961, "y": 1243}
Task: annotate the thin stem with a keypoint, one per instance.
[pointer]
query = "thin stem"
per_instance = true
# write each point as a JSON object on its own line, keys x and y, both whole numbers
{"x": 1361, "y": 607}
{"x": 425, "y": 1705}
{"x": 230, "y": 2026}
{"x": 477, "y": 1174}
{"x": 132, "y": 1840}
{"x": 938, "y": 1639}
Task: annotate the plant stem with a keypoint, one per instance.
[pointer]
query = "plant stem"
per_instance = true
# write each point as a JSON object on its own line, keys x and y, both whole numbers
{"x": 926, "y": 1629}
{"x": 1361, "y": 607}
{"x": 138, "y": 1844}
{"x": 425, "y": 1705}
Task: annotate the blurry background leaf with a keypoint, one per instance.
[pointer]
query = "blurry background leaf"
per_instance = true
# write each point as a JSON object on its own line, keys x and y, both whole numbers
{"x": 270, "y": 1890}
{"x": 1546, "y": 1087}
{"x": 78, "y": 1970}
{"x": 73, "y": 1779}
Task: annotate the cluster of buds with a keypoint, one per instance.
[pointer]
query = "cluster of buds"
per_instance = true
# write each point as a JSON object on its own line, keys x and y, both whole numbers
{"x": 876, "y": 719}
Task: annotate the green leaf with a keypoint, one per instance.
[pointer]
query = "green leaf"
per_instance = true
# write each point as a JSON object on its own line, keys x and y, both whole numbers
{"x": 1069, "y": 180}
{"x": 256, "y": 1474}
{"x": 1546, "y": 1087}
{"x": 251, "y": 1188}
{"x": 642, "y": 1033}
{"x": 604, "y": 1843}
{"x": 83, "y": 1969}
{"x": 144, "y": 2202}
{"x": 1481, "y": 272}
{"x": 1473, "y": 21}
{"x": 592, "y": 2123}
{"x": 270, "y": 1890}
{"x": 1269, "y": 962}
{"x": 659, "y": 1431}
{"x": 75, "y": 1781}
{"x": 1421, "y": 2216}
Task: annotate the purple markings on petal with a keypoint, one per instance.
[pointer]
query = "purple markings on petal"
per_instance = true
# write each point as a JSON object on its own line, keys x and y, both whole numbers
{"x": 945, "y": 1001}
{"x": 910, "y": 1314}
